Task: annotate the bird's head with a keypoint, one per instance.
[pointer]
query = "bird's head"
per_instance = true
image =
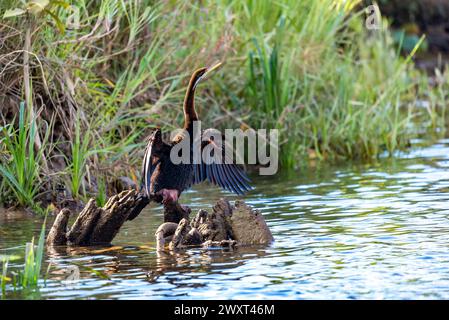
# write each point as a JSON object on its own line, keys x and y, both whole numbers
{"x": 203, "y": 74}
{"x": 156, "y": 135}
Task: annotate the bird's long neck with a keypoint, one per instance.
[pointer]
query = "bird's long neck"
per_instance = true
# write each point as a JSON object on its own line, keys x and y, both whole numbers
{"x": 190, "y": 114}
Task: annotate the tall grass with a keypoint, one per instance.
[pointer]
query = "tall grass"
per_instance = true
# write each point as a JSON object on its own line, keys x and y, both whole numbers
{"x": 22, "y": 166}
{"x": 80, "y": 153}
{"x": 338, "y": 91}
{"x": 334, "y": 89}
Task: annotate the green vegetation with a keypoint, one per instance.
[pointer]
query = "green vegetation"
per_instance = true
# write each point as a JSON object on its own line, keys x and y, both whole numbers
{"x": 309, "y": 68}
{"x": 77, "y": 164}
{"x": 22, "y": 168}
{"x": 29, "y": 276}
{"x": 33, "y": 262}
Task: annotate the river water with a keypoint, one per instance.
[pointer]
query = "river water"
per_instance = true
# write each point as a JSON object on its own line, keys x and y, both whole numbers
{"x": 352, "y": 231}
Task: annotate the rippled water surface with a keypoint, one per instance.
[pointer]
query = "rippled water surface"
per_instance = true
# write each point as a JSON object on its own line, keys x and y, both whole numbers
{"x": 350, "y": 231}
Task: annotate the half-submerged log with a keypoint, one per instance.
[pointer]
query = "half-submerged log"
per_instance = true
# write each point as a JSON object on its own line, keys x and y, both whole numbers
{"x": 58, "y": 232}
{"x": 225, "y": 226}
{"x": 174, "y": 212}
{"x": 96, "y": 225}
{"x": 248, "y": 225}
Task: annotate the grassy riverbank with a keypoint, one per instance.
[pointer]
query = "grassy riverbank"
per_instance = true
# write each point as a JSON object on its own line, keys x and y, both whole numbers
{"x": 91, "y": 91}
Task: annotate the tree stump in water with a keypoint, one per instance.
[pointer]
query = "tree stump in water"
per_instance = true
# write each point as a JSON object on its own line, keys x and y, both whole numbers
{"x": 96, "y": 225}
{"x": 226, "y": 225}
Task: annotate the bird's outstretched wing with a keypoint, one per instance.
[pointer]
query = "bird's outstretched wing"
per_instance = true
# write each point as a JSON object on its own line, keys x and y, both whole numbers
{"x": 224, "y": 173}
{"x": 151, "y": 159}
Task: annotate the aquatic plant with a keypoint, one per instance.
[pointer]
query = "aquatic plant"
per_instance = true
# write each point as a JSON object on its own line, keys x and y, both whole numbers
{"x": 3, "y": 276}
{"x": 29, "y": 276}
{"x": 33, "y": 261}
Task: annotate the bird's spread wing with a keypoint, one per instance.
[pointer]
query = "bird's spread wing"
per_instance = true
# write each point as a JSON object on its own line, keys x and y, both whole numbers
{"x": 151, "y": 159}
{"x": 225, "y": 174}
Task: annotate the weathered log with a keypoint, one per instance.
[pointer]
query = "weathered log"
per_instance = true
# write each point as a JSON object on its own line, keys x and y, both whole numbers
{"x": 248, "y": 225}
{"x": 96, "y": 225}
{"x": 174, "y": 212}
{"x": 82, "y": 229}
{"x": 58, "y": 233}
{"x": 165, "y": 234}
{"x": 141, "y": 202}
{"x": 113, "y": 215}
{"x": 222, "y": 243}
{"x": 226, "y": 225}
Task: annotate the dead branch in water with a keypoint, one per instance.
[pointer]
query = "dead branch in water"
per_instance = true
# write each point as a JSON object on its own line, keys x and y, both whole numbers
{"x": 226, "y": 225}
{"x": 97, "y": 225}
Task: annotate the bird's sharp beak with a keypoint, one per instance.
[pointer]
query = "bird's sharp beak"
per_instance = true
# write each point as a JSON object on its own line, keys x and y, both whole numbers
{"x": 210, "y": 70}
{"x": 214, "y": 67}
{"x": 206, "y": 74}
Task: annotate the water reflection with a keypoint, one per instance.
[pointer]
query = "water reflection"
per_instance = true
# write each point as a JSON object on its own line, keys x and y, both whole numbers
{"x": 348, "y": 231}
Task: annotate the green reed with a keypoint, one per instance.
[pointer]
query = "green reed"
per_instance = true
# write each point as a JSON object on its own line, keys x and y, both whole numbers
{"x": 28, "y": 277}
{"x": 21, "y": 164}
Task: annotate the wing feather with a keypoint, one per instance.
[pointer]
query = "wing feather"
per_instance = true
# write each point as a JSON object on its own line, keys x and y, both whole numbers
{"x": 226, "y": 175}
{"x": 151, "y": 160}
